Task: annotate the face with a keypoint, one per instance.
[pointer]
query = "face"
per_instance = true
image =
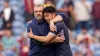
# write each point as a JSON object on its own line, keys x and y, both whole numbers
{"x": 98, "y": 0}
{"x": 83, "y": 0}
{"x": 48, "y": 16}
{"x": 6, "y": 5}
{"x": 38, "y": 12}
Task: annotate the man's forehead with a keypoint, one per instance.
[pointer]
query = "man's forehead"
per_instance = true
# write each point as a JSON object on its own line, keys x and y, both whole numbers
{"x": 38, "y": 8}
{"x": 47, "y": 13}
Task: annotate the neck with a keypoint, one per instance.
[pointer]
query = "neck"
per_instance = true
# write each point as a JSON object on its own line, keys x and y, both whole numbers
{"x": 6, "y": 7}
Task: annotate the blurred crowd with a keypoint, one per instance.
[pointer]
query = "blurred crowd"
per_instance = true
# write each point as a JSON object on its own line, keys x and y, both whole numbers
{"x": 83, "y": 22}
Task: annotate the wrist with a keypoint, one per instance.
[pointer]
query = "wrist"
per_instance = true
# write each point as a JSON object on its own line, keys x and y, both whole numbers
{"x": 51, "y": 21}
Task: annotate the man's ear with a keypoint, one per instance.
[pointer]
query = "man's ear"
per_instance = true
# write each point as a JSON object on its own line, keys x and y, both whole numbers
{"x": 53, "y": 15}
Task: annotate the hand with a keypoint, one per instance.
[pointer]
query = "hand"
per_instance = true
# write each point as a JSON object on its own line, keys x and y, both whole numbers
{"x": 30, "y": 34}
{"x": 59, "y": 39}
{"x": 52, "y": 26}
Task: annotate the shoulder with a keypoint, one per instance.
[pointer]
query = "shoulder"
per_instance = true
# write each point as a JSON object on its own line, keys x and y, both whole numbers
{"x": 59, "y": 24}
{"x": 4, "y": 38}
{"x": 63, "y": 15}
{"x": 32, "y": 23}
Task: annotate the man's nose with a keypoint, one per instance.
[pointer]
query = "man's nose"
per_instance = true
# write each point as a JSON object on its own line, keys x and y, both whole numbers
{"x": 38, "y": 12}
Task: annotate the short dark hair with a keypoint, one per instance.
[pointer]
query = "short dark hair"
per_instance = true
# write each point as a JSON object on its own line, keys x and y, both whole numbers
{"x": 49, "y": 9}
{"x": 7, "y": 1}
{"x": 39, "y": 5}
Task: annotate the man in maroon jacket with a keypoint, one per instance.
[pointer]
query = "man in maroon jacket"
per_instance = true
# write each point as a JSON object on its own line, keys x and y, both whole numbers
{"x": 96, "y": 14}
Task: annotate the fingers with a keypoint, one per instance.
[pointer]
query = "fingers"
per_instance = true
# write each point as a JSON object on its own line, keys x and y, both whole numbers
{"x": 53, "y": 28}
{"x": 30, "y": 30}
{"x": 30, "y": 33}
{"x": 58, "y": 35}
{"x": 61, "y": 39}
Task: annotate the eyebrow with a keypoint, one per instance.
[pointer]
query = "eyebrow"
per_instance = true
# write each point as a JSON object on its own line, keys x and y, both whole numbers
{"x": 39, "y": 11}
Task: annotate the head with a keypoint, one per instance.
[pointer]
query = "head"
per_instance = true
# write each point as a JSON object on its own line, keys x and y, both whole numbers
{"x": 38, "y": 11}
{"x": 97, "y": 0}
{"x": 83, "y": 0}
{"x": 66, "y": 0}
{"x": 6, "y": 4}
{"x": 84, "y": 31}
{"x": 48, "y": 2}
{"x": 49, "y": 13}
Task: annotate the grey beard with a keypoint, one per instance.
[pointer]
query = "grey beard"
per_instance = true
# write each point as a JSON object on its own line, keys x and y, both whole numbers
{"x": 38, "y": 17}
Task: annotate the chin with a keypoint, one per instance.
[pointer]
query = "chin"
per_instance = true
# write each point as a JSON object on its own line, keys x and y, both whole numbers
{"x": 39, "y": 18}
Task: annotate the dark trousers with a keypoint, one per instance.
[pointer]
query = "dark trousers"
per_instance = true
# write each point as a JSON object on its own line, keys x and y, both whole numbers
{"x": 83, "y": 24}
{"x": 96, "y": 24}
